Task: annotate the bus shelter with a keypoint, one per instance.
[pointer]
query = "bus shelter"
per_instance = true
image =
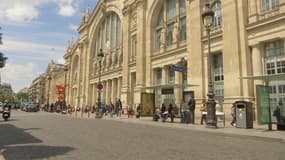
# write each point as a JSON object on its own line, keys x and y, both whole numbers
{"x": 267, "y": 101}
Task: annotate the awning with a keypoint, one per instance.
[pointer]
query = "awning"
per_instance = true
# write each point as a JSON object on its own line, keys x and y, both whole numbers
{"x": 266, "y": 77}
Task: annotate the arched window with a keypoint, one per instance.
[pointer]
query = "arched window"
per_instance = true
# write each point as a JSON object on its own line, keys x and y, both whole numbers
{"x": 171, "y": 21}
{"x": 217, "y": 8}
{"x": 109, "y": 36}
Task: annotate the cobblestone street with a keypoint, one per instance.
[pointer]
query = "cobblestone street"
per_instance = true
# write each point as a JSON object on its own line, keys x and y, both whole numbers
{"x": 29, "y": 136}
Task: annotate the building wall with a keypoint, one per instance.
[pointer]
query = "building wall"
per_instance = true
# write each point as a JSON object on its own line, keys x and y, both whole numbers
{"x": 130, "y": 69}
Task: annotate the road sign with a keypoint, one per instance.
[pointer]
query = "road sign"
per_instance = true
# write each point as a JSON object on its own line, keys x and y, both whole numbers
{"x": 177, "y": 68}
{"x": 100, "y": 86}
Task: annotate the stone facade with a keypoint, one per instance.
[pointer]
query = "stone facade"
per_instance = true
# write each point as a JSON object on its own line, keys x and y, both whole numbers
{"x": 142, "y": 39}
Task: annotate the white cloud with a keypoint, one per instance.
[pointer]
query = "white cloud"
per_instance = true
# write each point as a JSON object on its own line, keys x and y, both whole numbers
{"x": 25, "y": 11}
{"x": 33, "y": 49}
{"x": 73, "y": 27}
{"x": 22, "y": 13}
{"x": 18, "y": 75}
{"x": 66, "y": 10}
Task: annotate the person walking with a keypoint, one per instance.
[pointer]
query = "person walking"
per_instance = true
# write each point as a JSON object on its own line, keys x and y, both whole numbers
{"x": 203, "y": 109}
{"x": 138, "y": 115}
{"x": 119, "y": 108}
{"x": 192, "y": 105}
{"x": 171, "y": 112}
{"x": 183, "y": 112}
{"x": 233, "y": 112}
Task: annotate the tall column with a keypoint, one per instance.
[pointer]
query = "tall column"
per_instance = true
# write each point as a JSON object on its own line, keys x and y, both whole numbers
{"x": 252, "y": 11}
{"x": 125, "y": 52}
{"x": 164, "y": 78}
{"x": 140, "y": 56}
{"x": 104, "y": 90}
{"x": 257, "y": 60}
{"x": 178, "y": 90}
{"x": 107, "y": 91}
{"x": 195, "y": 68}
{"x": 114, "y": 90}
{"x": 119, "y": 87}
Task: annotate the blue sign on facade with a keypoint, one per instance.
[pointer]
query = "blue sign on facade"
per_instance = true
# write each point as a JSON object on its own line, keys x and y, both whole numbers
{"x": 177, "y": 68}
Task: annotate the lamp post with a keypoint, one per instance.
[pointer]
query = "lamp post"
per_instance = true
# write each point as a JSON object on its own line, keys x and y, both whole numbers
{"x": 208, "y": 16}
{"x": 49, "y": 79}
{"x": 100, "y": 56}
{"x": 64, "y": 93}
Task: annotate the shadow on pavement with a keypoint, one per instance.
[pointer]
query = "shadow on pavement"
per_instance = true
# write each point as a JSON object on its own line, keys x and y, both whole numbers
{"x": 19, "y": 144}
{"x": 30, "y": 152}
{"x": 10, "y": 135}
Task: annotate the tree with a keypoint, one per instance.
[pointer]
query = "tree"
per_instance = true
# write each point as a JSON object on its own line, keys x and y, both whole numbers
{"x": 4, "y": 96}
{"x": 2, "y": 60}
{"x": 23, "y": 97}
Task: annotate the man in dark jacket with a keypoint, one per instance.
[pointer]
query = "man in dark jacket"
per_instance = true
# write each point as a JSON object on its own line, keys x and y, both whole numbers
{"x": 192, "y": 105}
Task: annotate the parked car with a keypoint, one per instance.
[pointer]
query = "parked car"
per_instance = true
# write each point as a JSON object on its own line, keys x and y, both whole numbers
{"x": 34, "y": 107}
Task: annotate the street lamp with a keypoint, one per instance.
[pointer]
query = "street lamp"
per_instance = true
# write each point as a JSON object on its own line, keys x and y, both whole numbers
{"x": 100, "y": 56}
{"x": 49, "y": 79}
{"x": 208, "y": 16}
{"x": 64, "y": 94}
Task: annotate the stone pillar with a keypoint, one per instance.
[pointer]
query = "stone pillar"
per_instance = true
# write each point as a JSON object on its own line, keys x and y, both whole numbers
{"x": 114, "y": 90}
{"x": 140, "y": 55}
{"x": 232, "y": 56}
{"x": 104, "y": 91}
{"x": 119, "y": 87}
{"x": 164, "y": 79}
{"x": 178, "y": 90}
{"x": 252, "y": 11}
{"x": 257, "y": 68}
{"x": 126, "y": 52}
{"x": 107, "y": 98}
{"x": 195, "y": 53}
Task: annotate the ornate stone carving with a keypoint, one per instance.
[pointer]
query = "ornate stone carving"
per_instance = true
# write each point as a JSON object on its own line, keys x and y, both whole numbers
{"x": 175, "y": 33}
{"x": 114, "y": 57}
{"x": 162, "y": 37}
{"x": 134, "y": 20}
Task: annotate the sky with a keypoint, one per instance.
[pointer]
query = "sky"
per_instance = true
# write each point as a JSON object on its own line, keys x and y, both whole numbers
{"x": 35, "y": 32}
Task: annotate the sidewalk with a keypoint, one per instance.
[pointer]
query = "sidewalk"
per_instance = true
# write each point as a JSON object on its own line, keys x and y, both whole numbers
{"x": 257, "y": 130}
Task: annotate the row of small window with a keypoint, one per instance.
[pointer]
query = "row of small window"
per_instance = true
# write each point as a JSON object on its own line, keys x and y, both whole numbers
{"x": 268, "y": 5}
{"x": 277, "y": 89}
{"x": 275, "y": 67}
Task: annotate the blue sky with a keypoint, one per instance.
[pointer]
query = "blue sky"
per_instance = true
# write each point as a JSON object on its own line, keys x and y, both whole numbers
{"x": 34, "y": 33}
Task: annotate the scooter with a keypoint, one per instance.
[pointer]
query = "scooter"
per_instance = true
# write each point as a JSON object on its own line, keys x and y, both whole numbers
{"x": 6, "y": 113}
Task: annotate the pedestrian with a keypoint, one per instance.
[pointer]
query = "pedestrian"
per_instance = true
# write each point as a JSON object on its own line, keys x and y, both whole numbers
{"x": 162, "y": 110}
{"x": 192, "y": 105}
{"x": 138, "y": 111}
{"x": 171, "y": 112}
{"x": 183, "y": 110}
{"x": 112, "y": 108}
{"x": 233, "y": 112}
{"x": 130, "y": 111}
{"x": 277, "y": 112}
{"x": 119, "y": 108}
{"x": 203, "y": 110}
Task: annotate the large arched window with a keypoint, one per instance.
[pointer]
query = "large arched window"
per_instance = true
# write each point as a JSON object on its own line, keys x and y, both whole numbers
{"x": 217, "y": 8}
{"x": 171, "y": 21}
{"x": 109, "y": 35}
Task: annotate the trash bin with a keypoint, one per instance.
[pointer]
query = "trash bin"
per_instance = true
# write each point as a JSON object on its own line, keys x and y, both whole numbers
{"x": 244, "y": 116}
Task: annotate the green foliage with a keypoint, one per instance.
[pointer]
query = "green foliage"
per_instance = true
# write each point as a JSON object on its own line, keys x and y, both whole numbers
{"x": 2, "y": 60}
{"x": 4, "y": 96}
{"x": 23, "y": 97}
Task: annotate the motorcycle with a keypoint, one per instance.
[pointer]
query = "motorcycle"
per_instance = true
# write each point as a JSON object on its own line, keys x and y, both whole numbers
{"x": 6, "y": 113}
